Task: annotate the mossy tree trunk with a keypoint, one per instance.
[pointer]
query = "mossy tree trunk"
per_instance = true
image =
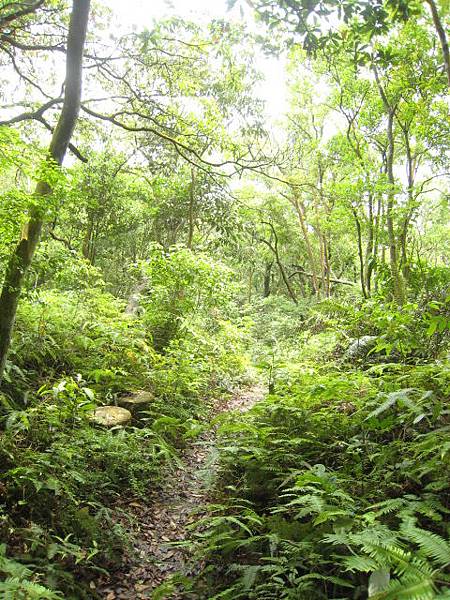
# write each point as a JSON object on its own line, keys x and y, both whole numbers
{"x": 22, "y": 255}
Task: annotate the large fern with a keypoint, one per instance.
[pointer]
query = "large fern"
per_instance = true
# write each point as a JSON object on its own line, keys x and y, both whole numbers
{"x": 18, "y": 581}
{"x": 412, "y": 574}
{"x": 20, "y": 589}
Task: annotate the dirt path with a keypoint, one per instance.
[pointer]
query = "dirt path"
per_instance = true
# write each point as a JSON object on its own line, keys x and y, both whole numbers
{"x": 164, "y": 519}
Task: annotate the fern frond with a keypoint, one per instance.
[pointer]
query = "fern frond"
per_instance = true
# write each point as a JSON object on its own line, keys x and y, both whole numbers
{"x": 417, "y": 590}
{"x": 13, "y": 587}
{"x": 432, "y": 545}
{"x": 362, "y": 564}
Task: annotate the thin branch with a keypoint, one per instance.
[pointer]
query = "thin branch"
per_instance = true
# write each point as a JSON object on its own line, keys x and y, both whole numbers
{"x": 62, "y": 240}
{"x": 301, "y": 271}
{"x": 180, "y": 147}
{"x": 34, "y": 115}
{"x": 442, "y": 36}
{"x": 7, "y": 39}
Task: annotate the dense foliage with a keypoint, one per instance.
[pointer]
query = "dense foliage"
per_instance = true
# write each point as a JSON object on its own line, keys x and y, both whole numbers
{"x": 192, "y": 244}
{"x": 337, "y": 483}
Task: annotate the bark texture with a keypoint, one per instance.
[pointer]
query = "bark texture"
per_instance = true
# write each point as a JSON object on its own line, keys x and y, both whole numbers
{"x": 22, "y": 255}
{"x": 442, "y": 37}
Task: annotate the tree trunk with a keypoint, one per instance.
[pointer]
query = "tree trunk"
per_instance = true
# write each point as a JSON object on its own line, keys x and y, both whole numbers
{"x": 250, "y": 283}
{"x": 360, "y": 254}
{"x": 301, "y": 271}
{"x": 325, "y": 264}
{"x": 398, "y": 285}
{"x": 318, "y": 204}
{"x": 369, "y": 254}
{"x": 442, "y": 37}
{"x": 191, "y": 219}
{"x": 267, "y": 279}
{"x": 397, "y": 279}
{"x": 23, "y": 254}
{"x": 300, "y": 210}
{"x": 280, "y": 265}
{"x": 378, "y": 219}
{"x": 410, "y": 174}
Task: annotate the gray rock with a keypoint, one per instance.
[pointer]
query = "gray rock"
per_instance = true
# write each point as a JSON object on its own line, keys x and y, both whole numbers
{"x": 361, "y": 347}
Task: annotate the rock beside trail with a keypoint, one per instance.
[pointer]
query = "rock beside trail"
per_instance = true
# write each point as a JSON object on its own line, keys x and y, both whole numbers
{"x": 361, "y": 347}
{"x": 136, "y": 402}
{"x": 110, "y": 416}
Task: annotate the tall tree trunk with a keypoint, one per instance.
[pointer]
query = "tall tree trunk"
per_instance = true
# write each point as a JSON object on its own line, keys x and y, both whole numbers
{"x": 410, "y": 175}
{"x": 318, "y": 204}
{"x": 324, "y": 262}
{"x": 397, "y": 279}
{"x": 267, "y": 279}
{"x": 369, "y": 254}
{"x": 274, "y": 248}
{"x": 442, "y": 36}
{"x": 377, "y": 221}
{"x": 250, "y": 283}
{"x": 191, "y": 218}
{"x": 327, "y": 265}
{"x": 300, "y": 210}
{"x": 23, "y": 253}
{"x": 360, "y": 253}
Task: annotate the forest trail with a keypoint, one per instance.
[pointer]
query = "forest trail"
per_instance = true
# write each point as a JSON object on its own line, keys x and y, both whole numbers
{"x": 167, "y": 514}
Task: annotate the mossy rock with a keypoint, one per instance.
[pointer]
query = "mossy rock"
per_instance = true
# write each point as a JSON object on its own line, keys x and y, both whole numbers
{"x": 137, "y": 401}
{"x": 110, "y": 416}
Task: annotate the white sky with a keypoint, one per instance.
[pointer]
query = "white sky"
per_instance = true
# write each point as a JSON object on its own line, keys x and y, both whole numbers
{"x": 141, "y": 14}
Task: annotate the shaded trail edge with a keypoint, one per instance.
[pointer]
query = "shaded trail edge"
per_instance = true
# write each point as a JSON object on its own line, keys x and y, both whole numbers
{"x": 165, "y": 516}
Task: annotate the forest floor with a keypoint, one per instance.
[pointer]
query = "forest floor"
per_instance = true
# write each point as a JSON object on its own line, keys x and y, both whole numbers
{"x": 165, "y": 518}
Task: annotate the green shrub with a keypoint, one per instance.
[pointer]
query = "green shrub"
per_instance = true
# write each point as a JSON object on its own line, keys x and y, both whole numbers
{"x": 59, "y": 477}
{"x": 78, "y": 332}
{"x": 335, "y": 487}
{"x": 183, "y": 287}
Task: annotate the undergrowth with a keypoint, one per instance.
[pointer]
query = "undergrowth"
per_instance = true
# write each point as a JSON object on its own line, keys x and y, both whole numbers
{"x": 336, "y": 485}
{"x": 61, "y": 476}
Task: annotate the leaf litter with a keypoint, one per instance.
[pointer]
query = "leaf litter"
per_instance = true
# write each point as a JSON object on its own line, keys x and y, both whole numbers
{"x": 161, "y": 523}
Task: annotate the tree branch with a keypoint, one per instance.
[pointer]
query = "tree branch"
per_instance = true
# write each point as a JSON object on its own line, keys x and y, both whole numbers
{"x": 35, "y": 115}
{"x": 301, "y": 271}
{"x": 27, "y": 10}
{"x": 442, "y": 37}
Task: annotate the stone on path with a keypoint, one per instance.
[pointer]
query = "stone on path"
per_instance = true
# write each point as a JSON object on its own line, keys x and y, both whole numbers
{"x": 110, "y": 416}
{"x": 137, "y": 401}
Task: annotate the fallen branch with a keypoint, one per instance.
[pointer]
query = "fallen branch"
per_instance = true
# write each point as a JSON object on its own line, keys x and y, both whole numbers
{"x": 301, "y": 271}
